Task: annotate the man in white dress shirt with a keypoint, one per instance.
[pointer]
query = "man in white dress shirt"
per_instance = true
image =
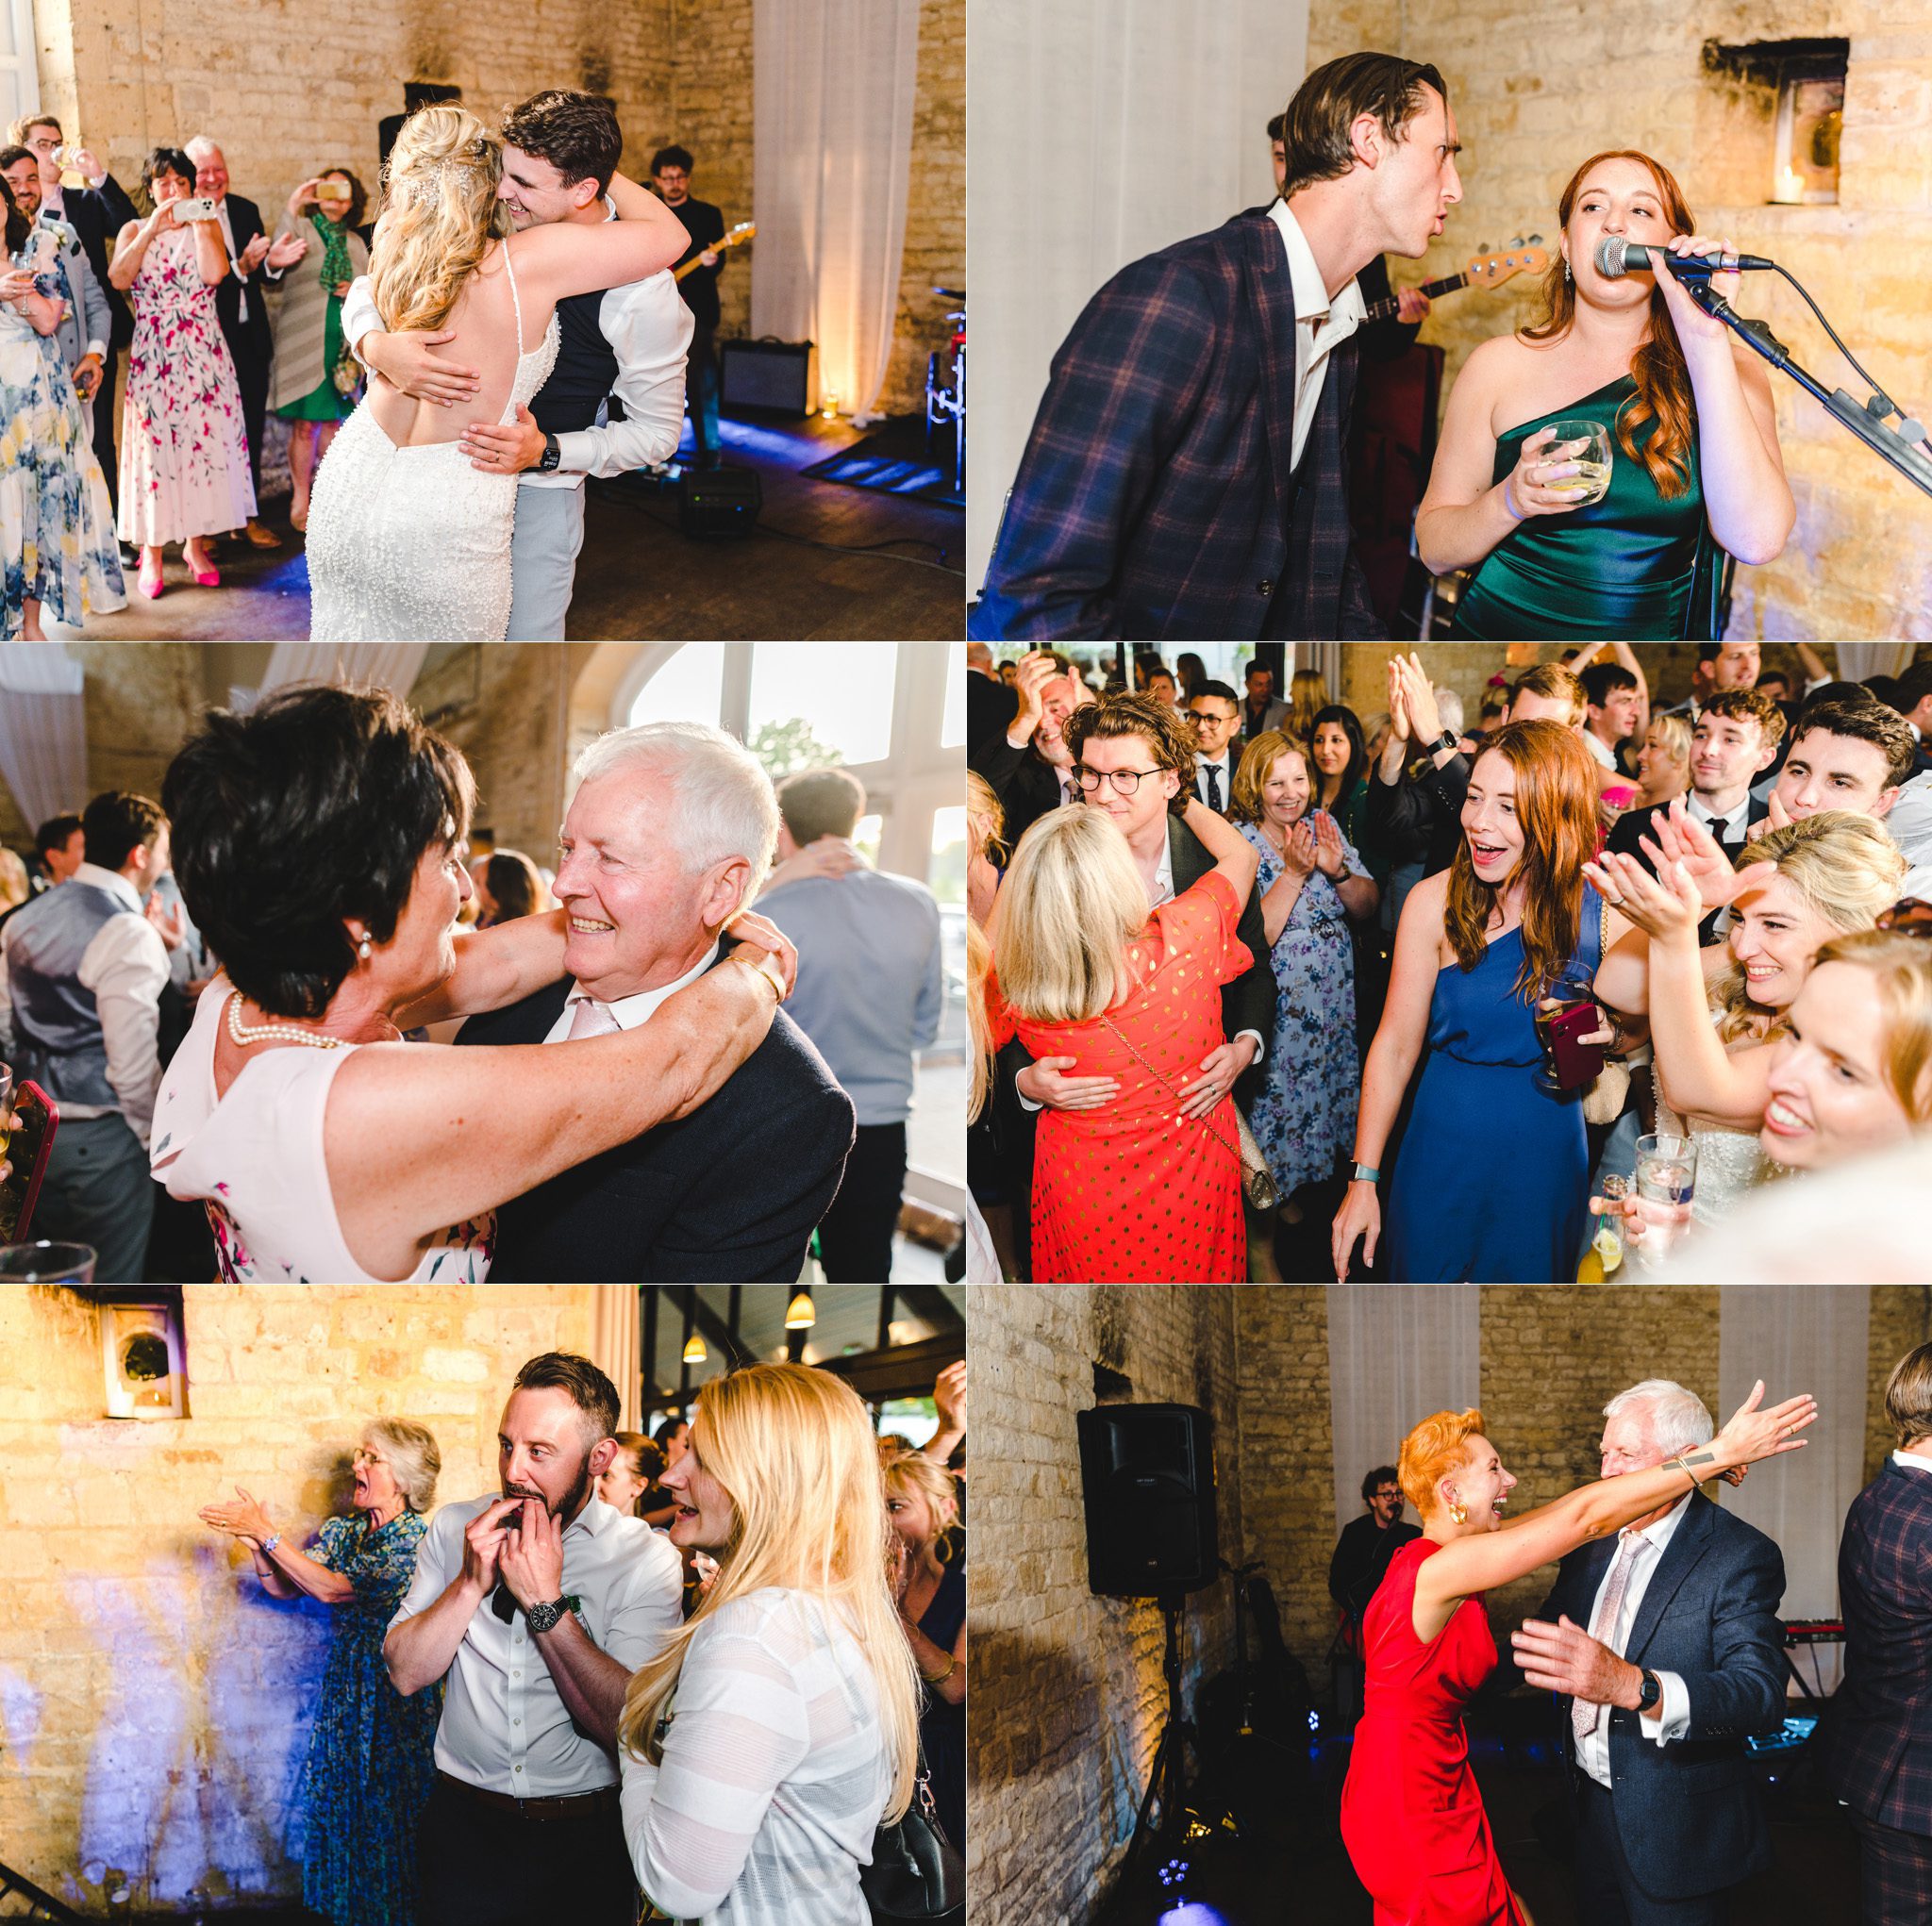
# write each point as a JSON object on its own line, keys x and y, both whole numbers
{"x": 1664, "y": 1648}
{"x": 559, "y": 151}
{"x": 82, "y": 968}
{"x": 534, "y": 1608}
{"x": 1217, "y": 713}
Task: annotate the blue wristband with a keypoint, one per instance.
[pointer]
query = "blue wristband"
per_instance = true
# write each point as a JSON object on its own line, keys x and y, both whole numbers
{"x": 1364, "y": 1174}
{"x": 1508, "y": 507}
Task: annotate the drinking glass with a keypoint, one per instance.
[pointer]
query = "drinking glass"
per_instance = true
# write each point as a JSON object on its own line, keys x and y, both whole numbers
{"x": 1587, "y": 444}
{"x": 47, "y": 1263}
{"x": 1565, "y": 994}
{"x": 1666, "y": 1182}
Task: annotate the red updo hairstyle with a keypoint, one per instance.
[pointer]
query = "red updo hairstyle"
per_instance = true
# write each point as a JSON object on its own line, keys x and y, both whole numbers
{"x": 1433, "y": 1449}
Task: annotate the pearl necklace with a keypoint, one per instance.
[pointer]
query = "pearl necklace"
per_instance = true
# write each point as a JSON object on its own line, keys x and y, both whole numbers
{"x": 286, "y": 1032}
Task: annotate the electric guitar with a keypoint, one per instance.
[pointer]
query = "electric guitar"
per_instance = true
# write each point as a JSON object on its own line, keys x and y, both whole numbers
{"x": 1488, "y": 269}
{"x": 742, "y": 232}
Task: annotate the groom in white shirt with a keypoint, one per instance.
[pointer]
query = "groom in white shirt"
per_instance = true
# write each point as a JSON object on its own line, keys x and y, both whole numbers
{"x": 534, "y": 1608}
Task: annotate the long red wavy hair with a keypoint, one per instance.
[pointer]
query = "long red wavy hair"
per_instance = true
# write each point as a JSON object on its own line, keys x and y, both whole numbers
{"x": 1663, "y": 382}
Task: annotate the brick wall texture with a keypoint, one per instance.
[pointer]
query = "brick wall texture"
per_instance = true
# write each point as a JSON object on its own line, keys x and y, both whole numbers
{"x": 155, "y": 1704}
{"x": 1066, "y": 1687}
{"x": 1537, "y": 90}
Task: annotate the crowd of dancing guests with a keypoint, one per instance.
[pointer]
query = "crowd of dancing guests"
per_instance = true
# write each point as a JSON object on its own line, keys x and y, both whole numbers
{"x": 1288, "y": 963}
{"x": 543, "y": 1700}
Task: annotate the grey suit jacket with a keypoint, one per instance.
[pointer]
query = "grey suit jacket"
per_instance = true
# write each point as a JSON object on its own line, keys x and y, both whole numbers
{"x": 89, "y": 321}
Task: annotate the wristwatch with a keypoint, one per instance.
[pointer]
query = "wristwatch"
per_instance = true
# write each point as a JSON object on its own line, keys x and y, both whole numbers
{"x": 1651, "y": 1696}
{"x": 1445, "y": 740}
{"x": 539, "y": 1619}
{"x": 552, "y": 454}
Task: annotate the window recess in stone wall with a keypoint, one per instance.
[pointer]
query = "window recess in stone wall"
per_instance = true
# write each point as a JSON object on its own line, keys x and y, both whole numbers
{"x": 144, "y": 1353}
{"x": 1783, "y": 105}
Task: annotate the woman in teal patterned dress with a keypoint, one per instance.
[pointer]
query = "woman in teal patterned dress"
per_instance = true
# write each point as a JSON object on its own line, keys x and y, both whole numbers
{"x": 308, "y": 323}
{"x": 371, "y": 1755}
{"x": 1695, "y": 469}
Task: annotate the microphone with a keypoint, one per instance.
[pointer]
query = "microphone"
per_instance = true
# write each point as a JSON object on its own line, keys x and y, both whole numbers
{"x": 1615, "y": 258}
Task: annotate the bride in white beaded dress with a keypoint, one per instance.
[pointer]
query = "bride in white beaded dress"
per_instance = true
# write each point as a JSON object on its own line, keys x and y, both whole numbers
{"x": 407, "y": 541}
{"x": 1716, "y": 1014}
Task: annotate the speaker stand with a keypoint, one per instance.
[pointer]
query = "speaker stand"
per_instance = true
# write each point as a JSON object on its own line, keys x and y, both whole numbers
{"x": 1168, "y": 1779}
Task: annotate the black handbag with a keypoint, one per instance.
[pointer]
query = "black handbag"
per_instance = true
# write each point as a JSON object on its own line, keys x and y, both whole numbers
{"x": 916, "y": 1873}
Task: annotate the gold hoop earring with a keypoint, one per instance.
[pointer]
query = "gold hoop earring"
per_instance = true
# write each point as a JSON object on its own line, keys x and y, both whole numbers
{"x": 1458, "y": 1514}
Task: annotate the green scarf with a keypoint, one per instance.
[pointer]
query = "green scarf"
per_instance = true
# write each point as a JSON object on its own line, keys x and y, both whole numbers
{"x": 336, "y": 265}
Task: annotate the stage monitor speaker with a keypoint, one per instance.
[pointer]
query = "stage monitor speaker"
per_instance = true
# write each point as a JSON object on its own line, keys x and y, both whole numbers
{"x": 1147, "y": 1474}
{"x": 769, "y": 376}
{"x": 720, "y": 501}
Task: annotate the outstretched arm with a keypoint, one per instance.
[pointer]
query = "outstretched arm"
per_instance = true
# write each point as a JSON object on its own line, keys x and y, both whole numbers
{"x": 495, "y": 968}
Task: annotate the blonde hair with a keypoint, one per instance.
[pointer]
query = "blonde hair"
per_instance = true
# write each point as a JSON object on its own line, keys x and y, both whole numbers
{"x": 1433, "y": 1449}
{"x": 980, "y": 1067}
{"x": 413, "y": 1459}
{"x": 440, "y": 214}
{"x": 909, "y": 1470}
{"x": 1072, "y": 903}
{"x": 983, "y": 805}
{"x": 1257, "y": 764}
{"x": 1845, "y": 870}
{"x": 1553, "y": 683}
{"x": 13, "y": 883}
{"x": 1307, "y": 694}
{"x": 1675, "y": 734}
{"x": 794, "y": 1449}
{"x": 1903, "y": 965}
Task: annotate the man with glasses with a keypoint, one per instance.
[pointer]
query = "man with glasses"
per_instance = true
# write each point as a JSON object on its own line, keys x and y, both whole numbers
{"x": 1361, "y": 1561}
{"x": 1217, "y": 716}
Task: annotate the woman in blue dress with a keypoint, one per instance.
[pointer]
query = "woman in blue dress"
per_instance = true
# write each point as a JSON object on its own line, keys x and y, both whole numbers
{"x": 1312, "y": 882}
{"x": 371, "y": 1755}
{"x": 1491, "y": 1182}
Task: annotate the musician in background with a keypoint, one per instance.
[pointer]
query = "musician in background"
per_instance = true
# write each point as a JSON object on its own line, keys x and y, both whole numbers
{"x": 670, "y": 172}
{"x": 1361, "y": 1561}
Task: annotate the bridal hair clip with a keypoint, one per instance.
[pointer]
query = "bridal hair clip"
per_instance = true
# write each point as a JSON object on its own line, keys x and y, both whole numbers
{"x": 425, "y": 183}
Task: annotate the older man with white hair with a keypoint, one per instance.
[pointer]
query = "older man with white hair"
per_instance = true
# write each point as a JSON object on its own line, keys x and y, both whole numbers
{"x": 1664, "y": 1648}
{"x": 668, "y": 836}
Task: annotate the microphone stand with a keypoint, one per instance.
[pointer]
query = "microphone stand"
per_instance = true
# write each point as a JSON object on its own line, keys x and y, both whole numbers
{"x": 1867, "y": 420}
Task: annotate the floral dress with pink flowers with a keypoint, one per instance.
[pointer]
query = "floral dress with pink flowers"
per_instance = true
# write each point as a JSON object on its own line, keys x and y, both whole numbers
{"x": 184, "y": 451}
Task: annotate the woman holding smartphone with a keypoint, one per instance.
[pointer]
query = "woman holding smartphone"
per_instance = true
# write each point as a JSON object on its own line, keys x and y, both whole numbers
{"x": 184, "y": 450}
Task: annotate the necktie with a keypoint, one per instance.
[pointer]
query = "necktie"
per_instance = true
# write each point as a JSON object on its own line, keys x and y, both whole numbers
{"x": 1717, "y": 826}
{"x": 1584, "y": 1717}
{"x": 592, "y": 1018}
{"x": 1214, "y": 787}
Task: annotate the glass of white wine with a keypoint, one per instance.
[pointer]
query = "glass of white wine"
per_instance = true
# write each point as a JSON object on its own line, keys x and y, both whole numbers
{"x": 1587, "y": 444}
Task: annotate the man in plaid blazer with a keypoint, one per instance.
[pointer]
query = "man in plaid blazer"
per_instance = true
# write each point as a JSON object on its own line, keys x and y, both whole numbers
{"x": 1878, "y": 1736}
{"x": 1185, "y": 476}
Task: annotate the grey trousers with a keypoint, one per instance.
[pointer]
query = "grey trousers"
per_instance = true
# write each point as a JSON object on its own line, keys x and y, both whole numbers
{"x": 97, "y": 1191}
{"x": 543, "y": 548}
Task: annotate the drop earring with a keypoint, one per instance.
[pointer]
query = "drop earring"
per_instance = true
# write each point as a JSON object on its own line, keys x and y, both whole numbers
{"x": 362, "y": 948}
{"x": 1566, "y": 271}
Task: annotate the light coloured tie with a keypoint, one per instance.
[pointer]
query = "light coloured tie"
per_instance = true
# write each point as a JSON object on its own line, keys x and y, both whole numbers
{"x": 1584, "y": 1717}
{"x": 592, "y": 1018}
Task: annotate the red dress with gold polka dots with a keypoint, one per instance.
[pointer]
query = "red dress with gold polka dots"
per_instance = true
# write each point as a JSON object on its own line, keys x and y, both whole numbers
{"x": 1132, "y": 1194}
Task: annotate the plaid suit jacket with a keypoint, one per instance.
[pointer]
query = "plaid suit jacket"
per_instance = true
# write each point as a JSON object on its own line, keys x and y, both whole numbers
{"x": 1157, "y": 496}
{"x": 1878, "y": 1726}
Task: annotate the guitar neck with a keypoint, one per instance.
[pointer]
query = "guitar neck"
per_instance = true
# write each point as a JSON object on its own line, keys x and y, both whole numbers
{"x": 1383, "y": 309}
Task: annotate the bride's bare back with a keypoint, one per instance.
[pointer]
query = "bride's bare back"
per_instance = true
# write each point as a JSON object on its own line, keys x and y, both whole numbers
{"x": 485, "y": 324}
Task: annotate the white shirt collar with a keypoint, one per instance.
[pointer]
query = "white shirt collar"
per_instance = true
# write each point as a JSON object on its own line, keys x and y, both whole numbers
{"x": 1659, "y": 1534}
{"x": 1312, "y": 303}
{"x": 632, "y": 1011}
{"x": 1913, "y": 1461}
{"x": 112, "y": 881}
{"x": 1163, "y": 872}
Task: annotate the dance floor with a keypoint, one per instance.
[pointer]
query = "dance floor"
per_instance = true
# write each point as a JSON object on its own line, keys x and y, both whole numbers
{"x": 1291, "y": 1867}
{"x": 824, "y": 562}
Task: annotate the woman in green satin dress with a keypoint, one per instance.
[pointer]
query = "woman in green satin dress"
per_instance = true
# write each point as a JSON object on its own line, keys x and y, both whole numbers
{"x": 1695, "y": 466}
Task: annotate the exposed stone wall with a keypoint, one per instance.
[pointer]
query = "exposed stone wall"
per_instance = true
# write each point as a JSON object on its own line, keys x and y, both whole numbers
{"x": 1068, "y": 1697}
{"x": 155, "y": 1703}
{"x": 1531, "y": 99}
{"x": 710, "y": 111}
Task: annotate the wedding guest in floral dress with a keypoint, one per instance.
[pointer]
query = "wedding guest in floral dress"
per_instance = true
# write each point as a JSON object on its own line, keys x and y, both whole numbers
{"x": 184, "y": 452}
{"x": 1312, "y": 882}
{"x": 371, "y": 1751}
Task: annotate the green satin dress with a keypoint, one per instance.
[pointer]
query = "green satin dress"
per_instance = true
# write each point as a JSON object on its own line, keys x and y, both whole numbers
{"x": 1625, "y": 567}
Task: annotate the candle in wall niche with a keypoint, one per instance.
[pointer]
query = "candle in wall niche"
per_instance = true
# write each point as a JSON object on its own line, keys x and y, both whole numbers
{"x": 828, "y": 406}
{"x": 1790, "y": 187}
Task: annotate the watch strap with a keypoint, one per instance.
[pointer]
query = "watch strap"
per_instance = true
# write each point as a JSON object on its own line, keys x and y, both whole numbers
{"x": 541, "y": 1618}
{"x": 1652, "y": 1693}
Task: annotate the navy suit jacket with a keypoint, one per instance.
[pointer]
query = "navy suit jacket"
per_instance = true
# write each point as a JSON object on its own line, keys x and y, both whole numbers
{"x": 1688, "y": 1813}
{"x": 252, "y": 340}
{"x": 99, "y": 215}
{"x": 730, "y": 1194}
{"x": 1158, "y": 497}
{"x": 1878, "y": 1726}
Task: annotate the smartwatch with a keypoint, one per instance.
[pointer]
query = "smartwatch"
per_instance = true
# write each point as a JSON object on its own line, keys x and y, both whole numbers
{"x": 1651, "y": 1696}
{"x": 1448, "y": 740}
{"x": 539, "y": 1619}
{"x": 547, "y": 462}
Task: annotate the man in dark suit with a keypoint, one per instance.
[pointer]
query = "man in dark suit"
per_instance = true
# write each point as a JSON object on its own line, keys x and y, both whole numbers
{"x": 1028, "y": 764}
{"x": 1915, "y": 704}
{"x": 1878, "y": 1737}
{"x": 240, "y": 306}
{"x": 990, "y": 703}
{"x": 1681, "y": 1660}
{"x": 97, "y": 213}
{"x": 1216, "y": 710}
{"x": 1185, "y": 476}
{"x": 669, "y": 825}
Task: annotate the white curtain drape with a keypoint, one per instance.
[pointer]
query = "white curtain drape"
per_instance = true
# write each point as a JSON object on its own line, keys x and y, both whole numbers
{"x": 832, "y": 92}
{"x": 1097, "y": 131}
{"x": 1397, "y": 1353}
{"x": 1800, "y": 1337}
{"x": 383, "y": 665}
{"x": 43, "y": 729}
{"x": 614, "y": 1345}
{"x": 1857, "y": 660}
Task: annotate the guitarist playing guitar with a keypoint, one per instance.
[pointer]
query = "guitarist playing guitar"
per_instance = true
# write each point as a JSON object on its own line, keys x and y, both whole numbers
{"x": 670, "y": 172}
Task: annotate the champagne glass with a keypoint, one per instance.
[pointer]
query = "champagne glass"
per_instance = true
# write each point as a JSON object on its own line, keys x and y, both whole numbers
{"x": 47, "y": 1263}
{"x": 1587, "y": 444}
{"x": 1666, "y": 1183}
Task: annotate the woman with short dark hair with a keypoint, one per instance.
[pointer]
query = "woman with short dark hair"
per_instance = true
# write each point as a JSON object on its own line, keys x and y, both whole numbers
{"x": 317, "y": 844}
{"x": 184, "y": 450}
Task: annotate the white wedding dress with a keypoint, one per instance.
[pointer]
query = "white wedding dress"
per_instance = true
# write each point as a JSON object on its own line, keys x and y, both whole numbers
{"x": 412, "y": 544}
{"x": 1731, "y": 1164}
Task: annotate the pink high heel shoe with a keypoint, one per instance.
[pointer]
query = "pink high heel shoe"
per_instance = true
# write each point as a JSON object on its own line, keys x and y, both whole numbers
{"x": 210, "y": 577}
{"x": 150, "y": 581}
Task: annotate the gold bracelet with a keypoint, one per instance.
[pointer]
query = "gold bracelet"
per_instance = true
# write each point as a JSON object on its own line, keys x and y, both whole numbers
{"x": 940, "y": 1678}
{"x": 1696, "y": 1479}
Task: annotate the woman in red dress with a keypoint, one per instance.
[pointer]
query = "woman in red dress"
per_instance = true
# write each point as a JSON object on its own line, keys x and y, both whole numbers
{"x": 1128, "y": 1191}
{"x": 1412, "y": 1814}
